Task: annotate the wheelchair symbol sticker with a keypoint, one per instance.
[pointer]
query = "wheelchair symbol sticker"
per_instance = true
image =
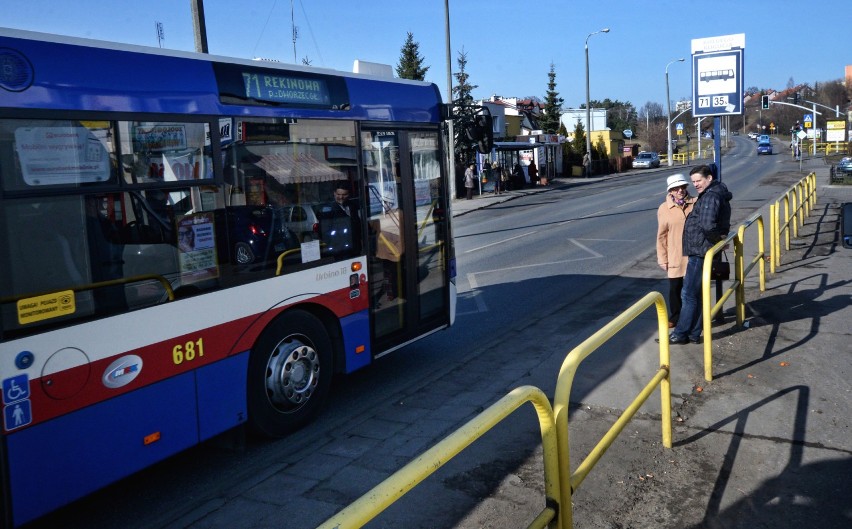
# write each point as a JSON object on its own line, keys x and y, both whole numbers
{"x": 15, "y": 389}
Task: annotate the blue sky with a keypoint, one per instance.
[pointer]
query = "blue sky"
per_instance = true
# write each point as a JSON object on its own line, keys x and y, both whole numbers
{"x": 509, "y": 45}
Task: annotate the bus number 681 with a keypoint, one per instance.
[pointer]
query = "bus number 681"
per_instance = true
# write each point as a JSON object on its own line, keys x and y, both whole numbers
{"x": 188, "y": 351}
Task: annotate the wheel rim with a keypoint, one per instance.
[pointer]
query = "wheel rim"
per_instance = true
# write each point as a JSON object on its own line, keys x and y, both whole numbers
{"x": 292, "y": 374}
{"x": 244, "y": 254}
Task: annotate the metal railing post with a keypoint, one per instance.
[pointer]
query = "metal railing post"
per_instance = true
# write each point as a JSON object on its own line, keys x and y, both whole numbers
{"x": 772, "y": 242}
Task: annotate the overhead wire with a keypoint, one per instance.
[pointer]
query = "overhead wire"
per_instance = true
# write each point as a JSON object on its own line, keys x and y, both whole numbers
{"x": 256, "y": 44}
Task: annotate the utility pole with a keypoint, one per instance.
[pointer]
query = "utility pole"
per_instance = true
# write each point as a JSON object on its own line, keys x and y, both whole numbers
{"x": 451, "y": 144}
{"x": 199, "y": 25}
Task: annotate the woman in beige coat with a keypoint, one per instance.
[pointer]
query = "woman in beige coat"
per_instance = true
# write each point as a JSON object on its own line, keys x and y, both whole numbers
{"x": 670, "y": 218}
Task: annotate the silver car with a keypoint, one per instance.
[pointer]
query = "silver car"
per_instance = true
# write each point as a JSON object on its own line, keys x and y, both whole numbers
{"x": 646, "y": 160}
{"x": 302, "y": 220}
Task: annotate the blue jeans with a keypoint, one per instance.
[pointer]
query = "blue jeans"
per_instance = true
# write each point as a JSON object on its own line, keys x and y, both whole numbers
{"x": 689, "y": 323}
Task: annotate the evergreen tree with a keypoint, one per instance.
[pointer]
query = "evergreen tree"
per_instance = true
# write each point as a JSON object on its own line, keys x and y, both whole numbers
{"x": 463, "y": 110}
{"x": 578, "y": 144}
{"x": 410, "y": 61}
{"x": 550, "y": 121}
{"x": 619, "y": 115}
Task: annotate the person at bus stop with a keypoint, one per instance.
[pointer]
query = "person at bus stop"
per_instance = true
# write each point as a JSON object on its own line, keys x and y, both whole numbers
{"x": 498, "y": 177}
{"x": 468, "y": 181}
{"x": 533, "y": 171}
{"x": 707, "y": 224}
{"x": 587, "y": 165}
{"x": 518, "y": 180}
{"x": 671, "y": 216}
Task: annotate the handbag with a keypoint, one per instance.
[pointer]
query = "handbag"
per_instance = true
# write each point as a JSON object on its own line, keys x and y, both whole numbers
{"x": 720, "y": 269}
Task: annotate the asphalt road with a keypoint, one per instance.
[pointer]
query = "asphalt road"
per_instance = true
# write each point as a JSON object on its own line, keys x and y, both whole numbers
{"x": 566, "y": 258}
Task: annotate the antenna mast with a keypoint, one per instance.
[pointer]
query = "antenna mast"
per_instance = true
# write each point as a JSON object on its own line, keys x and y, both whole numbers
{"x": 160, "y": 35}
{"x": 295, "y": 31}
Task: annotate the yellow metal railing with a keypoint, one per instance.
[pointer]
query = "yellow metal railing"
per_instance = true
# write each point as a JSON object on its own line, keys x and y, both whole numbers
{"x": 737, "y": 286}
{"x": 798, "y": 201}
{"x": 686, "y": 157}
{"x": 563, "y": 393}
{"x": 826, "y": 147}
{"x": 400, "y": 482}
{"x": 553, "y": 422}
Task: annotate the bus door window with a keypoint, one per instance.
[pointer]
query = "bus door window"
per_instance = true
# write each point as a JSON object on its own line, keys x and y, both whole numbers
{"x": 386, "y": 255}
{"x": 430, "y": 211}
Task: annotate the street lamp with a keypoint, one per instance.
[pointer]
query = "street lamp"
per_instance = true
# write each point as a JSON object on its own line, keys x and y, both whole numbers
{"x": 669, "y": 111}
{"x": 589, "y": 110}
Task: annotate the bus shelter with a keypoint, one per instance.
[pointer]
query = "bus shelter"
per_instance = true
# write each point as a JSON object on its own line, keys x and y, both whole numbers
{"x": 509, "y": 153}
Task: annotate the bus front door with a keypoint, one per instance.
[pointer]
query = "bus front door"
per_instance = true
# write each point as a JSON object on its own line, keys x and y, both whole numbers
{"x": 408, "y": 241}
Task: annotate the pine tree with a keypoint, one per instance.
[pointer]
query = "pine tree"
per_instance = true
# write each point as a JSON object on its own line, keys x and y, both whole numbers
{"x": 410, "y": 61}
{"x": 550, "y": 121}
{"x": 463, "y": 109}
{"x": 579, "y": 141}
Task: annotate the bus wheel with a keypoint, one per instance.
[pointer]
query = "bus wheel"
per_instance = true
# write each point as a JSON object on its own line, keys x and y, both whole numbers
{"x": 289, "y": 374}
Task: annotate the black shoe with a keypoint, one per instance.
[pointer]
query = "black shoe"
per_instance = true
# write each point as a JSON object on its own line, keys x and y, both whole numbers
{"x": 674, "y": 340}
{"x": 694, "y": 340}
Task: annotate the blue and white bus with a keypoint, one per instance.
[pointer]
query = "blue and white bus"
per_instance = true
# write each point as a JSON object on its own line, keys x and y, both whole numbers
{"x": 191, "y": 244}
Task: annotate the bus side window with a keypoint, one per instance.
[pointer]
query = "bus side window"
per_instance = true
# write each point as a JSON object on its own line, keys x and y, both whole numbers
{"x": 106, "y": 249}
{"x": 41, "y": 252}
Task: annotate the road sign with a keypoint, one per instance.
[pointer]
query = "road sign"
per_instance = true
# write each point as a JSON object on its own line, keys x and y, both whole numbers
{"x": 835, "y": 130}
{"x": 808, "y": 120}
{"x": 717, "y": 75}
{"x": 628, "y": 133}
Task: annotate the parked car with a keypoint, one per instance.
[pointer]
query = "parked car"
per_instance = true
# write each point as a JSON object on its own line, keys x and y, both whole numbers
{"x": 302, "y": 220}
{"x": 254, "y": 236}
{"x": 845, "y": 165}
{"x": 764, "y": 147}
{"x": 647, "y": 160}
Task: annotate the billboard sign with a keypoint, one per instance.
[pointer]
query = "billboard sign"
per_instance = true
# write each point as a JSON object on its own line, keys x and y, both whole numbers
{"x": 835, "y": 130}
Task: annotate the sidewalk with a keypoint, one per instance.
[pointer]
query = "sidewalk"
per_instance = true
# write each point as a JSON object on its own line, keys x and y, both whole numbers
{"x": 461, "y": 206}
{"x": 767, "y": 443}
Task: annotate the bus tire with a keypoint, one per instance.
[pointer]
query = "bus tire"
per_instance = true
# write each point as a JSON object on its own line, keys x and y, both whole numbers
{"x": 289, "y": 374}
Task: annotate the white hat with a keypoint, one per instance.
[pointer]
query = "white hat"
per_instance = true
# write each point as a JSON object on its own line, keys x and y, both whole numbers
{"x": 676, "y": 180}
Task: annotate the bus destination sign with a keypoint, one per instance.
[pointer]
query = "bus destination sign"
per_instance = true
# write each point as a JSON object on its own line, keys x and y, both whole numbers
{"x": 286, "y": 89}
{"x": 240, "y": 84}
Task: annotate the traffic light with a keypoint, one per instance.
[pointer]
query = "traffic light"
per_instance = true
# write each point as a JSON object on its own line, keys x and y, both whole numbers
{"x": 764, "y": 102}
{"x": 796, "y": 98}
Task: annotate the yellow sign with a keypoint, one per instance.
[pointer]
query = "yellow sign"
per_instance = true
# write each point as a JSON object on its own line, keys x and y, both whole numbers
{"x": 53, "y": 305}
{"x": 835, "y": 130}
{"x": 680, "y": 132}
